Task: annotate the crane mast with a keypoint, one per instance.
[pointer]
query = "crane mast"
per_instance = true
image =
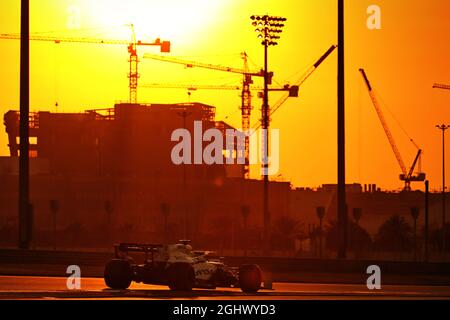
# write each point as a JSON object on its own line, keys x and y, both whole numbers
{"x": 133, "y": 75}
{"x": 246, "y": 111}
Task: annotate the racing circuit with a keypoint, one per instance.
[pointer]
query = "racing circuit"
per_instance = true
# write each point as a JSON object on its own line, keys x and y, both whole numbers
{"x": 32, "y": 287}
{"x": 34, "y": 275}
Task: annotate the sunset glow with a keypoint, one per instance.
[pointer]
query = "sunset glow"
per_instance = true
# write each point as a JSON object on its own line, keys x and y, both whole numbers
{"x": 177, "y": 20}
{"x": 187, "y": 153}
{"x": 402, "y": 59}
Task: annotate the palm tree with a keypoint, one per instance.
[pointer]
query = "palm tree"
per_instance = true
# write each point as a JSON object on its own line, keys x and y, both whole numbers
{"x": 222, "y": 228}
{"x": 395, "y": 234}
{"x": 285, "y": 231}
{"x": 358, "y": 237}
{"x": 436, "y": 237}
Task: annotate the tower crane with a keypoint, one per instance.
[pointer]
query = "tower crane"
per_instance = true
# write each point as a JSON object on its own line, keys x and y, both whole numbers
{"x": 132, "y": 46}
{"x": 407, "y": 175}
{"x": 441, "y": 86}
{"x": 246, "y": 97}
{"x": 298, "y": 83}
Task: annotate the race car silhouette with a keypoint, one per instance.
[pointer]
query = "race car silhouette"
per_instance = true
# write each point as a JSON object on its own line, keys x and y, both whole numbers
{"x": 177, "y": 266}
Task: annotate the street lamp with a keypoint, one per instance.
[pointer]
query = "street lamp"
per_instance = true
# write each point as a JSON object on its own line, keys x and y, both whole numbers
{"x": 320, "y": 214}
{"x": 342, "y": 217}
{"x": 184, "y": 114}
{"x": 24, "y": 205}
{"x": 109, "y": 209}
{"x": 165, "y": 211}
{"x": 443, "y": 127}
{"x": 245, "y": 211}
{"x": 54, "y": 208}
{"x": 357, "y": 214}
{"x": 415, "y": 214}
{"x": 269, "y": 29}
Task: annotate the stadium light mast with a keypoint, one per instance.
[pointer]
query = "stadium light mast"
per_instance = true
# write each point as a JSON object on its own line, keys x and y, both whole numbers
{"x": 341, "y": 192}
{"x": 269, "y": 29}
{"x": 443, "y": 128}
{"x": 24, "y": 157}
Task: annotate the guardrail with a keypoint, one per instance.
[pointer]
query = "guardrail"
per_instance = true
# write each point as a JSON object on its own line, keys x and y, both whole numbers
{"x": 54, "y": 257}
{"x": 11, "y": 256}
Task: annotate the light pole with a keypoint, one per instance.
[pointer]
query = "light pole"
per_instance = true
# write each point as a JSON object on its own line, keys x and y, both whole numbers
{"x": 443, "y": 127}
{"x": 415, "y": 215}
{"x": 341, "y": 192}
{"x": 320, "y": 214}
{"x": 184, "y": 114}
{"x": 165, "y": 211}
{"x": 427, "y": 203}
{"x": 268, "y": 29}
{"x": 109, "y": 209}
{"x": 54, "y": 207}
{"x": 25, "y": 208}
{"x": 357, "y": 214}
{"x": 245, "y": 210}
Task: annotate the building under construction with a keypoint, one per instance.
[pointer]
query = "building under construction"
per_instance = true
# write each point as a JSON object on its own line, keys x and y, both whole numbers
{"x": 112, "y": 169}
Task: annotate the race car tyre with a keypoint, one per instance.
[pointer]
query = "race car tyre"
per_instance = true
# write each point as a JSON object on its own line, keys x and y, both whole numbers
{"x": 250, "y": 278}
{"x": 180, "y": 277}
{"x": 118, "y": 274}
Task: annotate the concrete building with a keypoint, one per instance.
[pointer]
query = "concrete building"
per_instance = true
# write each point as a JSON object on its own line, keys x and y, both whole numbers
{"x": 112, "y": 170}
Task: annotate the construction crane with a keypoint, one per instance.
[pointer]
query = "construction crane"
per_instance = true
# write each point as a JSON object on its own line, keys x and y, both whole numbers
{"x": 132, "y": 50}
{"x": 298, "y": 83}
{"x": 193, "y": 87}
{"x": 246, "y": 97}
{"x": 441, "y": 86}
{"x": 407, "y": 175}
{"x": 292, "y": 90}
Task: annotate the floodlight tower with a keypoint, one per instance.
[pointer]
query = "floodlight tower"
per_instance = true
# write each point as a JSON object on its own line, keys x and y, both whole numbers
{"x": 443, "y": 128}
{"x": 268, "y": 29}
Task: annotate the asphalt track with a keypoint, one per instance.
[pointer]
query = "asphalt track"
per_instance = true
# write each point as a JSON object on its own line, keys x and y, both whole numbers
{"x": 30, "y": 287}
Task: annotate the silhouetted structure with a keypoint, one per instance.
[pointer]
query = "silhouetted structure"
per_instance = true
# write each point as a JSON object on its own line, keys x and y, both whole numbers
{"x": 106, "y": 176}
{"x": 123, "y": 155}
{"x": 128, "y": 140}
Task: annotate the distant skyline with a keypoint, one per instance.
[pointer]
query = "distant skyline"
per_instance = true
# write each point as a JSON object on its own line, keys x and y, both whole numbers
{"x": 403, "y": 60}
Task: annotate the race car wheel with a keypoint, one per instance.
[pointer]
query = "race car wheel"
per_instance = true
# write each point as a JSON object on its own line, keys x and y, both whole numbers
{"x": 118, "y": 274}
{"x": 250, "y": 278}
{"x": 180, "y": 277}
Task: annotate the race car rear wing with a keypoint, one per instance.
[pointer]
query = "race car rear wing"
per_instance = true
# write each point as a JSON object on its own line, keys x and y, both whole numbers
{"x": 135, "y": 247}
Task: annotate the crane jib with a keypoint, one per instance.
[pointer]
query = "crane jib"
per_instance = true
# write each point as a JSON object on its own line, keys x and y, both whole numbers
{"x": 322, "y": 58}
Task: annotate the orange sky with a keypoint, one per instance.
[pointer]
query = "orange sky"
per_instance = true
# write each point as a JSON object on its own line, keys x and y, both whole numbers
{"x": 402, "y": 60}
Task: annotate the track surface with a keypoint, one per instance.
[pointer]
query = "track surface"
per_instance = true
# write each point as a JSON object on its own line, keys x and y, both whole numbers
{"x": 27, "y": 287}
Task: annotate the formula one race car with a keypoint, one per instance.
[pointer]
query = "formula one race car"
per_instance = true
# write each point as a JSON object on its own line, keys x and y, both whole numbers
{"x": 178, "y": 267}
